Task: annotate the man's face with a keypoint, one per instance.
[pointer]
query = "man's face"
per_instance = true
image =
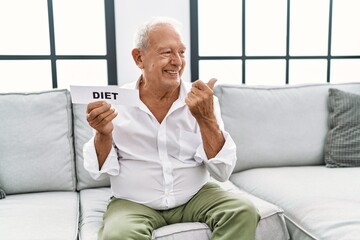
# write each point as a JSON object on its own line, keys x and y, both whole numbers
{"x": 164, "y": 58}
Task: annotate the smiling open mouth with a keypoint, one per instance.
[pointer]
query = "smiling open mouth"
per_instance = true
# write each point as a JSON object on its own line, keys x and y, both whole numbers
{"x": 171, "y": 72}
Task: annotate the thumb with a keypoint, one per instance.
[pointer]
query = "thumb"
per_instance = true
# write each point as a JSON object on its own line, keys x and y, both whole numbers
{"x": 211, "y": 83}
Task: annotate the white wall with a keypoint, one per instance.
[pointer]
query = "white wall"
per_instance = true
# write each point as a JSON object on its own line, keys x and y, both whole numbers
{"x": 129, "y": 14}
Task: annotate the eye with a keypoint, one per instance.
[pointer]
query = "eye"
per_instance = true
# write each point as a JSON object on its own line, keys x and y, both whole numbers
{"x": 182, "y": 53}
{"x": 166, "y": 53}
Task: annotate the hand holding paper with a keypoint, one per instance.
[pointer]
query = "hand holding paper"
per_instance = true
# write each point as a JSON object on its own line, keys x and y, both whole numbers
{"x": 100, "y": 115}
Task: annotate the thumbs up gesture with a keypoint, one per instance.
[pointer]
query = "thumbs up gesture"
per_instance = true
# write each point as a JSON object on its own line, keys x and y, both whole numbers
{"x": 200, "y": 100}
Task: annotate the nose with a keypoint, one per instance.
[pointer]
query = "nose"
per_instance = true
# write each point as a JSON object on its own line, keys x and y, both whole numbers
{"x": 176, "y": 59}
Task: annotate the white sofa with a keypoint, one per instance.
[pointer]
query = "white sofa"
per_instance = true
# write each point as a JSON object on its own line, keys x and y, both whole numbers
{"x": 49, "y": 193}
{"x": 280, "y": 133}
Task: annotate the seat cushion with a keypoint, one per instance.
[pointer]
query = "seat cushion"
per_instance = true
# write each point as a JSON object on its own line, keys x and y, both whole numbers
{"x": 319, "y": 202}
{"x": 40, "y": 216}
{"x": 272, "y": 222}
{"x": 94, "y": 202}
{"x": 36, "y": 142}
{"x": 93, "y": 206}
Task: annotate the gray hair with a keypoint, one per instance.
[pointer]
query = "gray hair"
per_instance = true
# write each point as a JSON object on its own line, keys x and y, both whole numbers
{"x": 142, "y": 35}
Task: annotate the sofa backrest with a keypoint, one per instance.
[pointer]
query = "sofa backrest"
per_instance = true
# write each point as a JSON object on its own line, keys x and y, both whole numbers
{"x": 36, "y": 142}
{"x": 82, "y": 134}
{"x": 42, "y": 133}
{"x": 277, "y": 126}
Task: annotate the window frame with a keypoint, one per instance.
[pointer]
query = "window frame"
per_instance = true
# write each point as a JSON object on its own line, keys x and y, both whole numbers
{"x": 195, "y": 57}
{"x": 110, "y": 56}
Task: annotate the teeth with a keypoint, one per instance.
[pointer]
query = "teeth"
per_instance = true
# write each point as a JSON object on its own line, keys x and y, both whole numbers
{"x": 171, "y": 71}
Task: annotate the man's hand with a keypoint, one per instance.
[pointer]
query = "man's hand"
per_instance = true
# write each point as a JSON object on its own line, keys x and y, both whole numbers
{"x": 100, "y": 115}
{"x": 200, "y": 100}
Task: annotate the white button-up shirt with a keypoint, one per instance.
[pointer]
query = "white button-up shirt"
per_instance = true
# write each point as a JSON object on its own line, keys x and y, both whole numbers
{"x": 161, "y": 165}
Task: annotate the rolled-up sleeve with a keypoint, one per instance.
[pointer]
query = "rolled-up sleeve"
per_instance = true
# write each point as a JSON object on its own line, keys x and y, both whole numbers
{"x": 111, "y": 165}
{"x": 221, "y": 166}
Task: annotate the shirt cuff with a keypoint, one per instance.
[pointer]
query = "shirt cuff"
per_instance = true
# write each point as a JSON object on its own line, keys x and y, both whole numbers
{"x": 111, "y": 165}
{"x": 221, "y": 166}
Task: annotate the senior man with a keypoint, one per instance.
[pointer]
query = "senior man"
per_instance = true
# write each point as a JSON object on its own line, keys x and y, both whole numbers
{"x": 160, "y": 153}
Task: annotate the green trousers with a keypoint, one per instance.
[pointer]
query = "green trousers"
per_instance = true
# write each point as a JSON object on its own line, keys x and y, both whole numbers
{"x": 229, "y": 216}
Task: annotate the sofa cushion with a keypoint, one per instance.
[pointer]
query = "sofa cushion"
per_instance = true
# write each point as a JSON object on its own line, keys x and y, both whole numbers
{"x": 94, "y": 202}
{"x": 343, "y": 141}
{"x": 82, "y": 134}
{"x": 36, "y": 142}
{"x": 272, "y": 222}
{"x": 277, "y": 126}
{"x": 40, "y": 216}
{"x": 2, "y": 194}
{"x": 319, "y": 202}
{"x": 93, "y": 206}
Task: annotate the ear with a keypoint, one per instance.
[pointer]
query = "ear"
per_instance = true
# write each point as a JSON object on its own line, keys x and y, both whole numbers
{"x": 137, "y": 56}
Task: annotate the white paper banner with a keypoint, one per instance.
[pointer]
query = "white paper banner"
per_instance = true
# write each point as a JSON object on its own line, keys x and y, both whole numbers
{"x": 110, "y": 94}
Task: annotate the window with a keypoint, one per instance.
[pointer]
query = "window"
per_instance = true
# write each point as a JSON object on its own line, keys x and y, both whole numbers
{"x": 48, "y": 44}
{"x": 275, "y": 42}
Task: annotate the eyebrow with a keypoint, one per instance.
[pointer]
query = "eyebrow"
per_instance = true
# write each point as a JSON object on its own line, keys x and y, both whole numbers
{"x": 164, "y": 48}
